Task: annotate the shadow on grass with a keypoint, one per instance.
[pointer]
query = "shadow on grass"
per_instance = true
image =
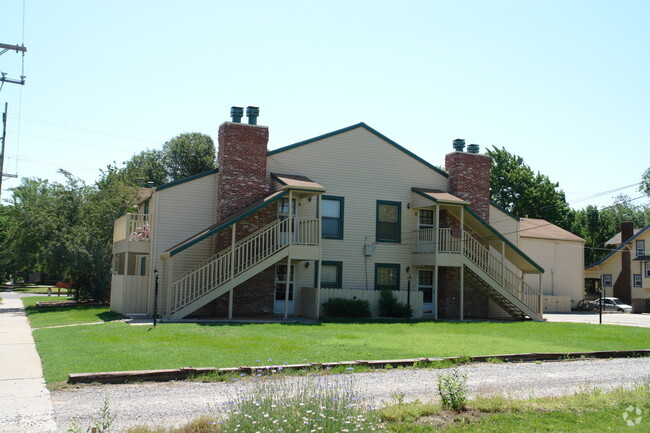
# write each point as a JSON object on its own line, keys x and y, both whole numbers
{"x": 102, "y": 315}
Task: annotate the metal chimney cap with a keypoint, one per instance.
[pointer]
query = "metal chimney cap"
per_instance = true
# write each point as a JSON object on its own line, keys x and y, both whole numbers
{"x": 473, "y": 148}
{"x": 236, "y": 113}
{"x": 252, "y": 113}
{"x": 459, "y": 144}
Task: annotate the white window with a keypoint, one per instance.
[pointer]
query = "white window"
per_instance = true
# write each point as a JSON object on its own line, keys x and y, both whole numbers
{"x": 640, "y": 248}
{"x": 607, "y": 280}
{"x": 637, "y": 280}
{"x": 647, "y": 269}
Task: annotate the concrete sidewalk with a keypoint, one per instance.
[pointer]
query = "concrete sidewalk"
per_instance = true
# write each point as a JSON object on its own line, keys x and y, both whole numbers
{"x": 25, "y": 404}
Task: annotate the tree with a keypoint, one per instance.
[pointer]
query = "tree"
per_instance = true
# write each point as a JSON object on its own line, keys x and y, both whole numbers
{"x": 516, "y": 188}
{"x": 188, "y": 154}
{"x": 645, "y": 182}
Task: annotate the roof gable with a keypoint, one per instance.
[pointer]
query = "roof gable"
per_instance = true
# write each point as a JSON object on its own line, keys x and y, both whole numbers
{"x": 637, "y": 235}
{"x": 367, "y": 128}
{"x": 541, "y": 229}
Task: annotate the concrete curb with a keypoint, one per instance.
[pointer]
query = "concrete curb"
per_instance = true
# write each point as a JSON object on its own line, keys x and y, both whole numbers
{"x": 183, "y": 373}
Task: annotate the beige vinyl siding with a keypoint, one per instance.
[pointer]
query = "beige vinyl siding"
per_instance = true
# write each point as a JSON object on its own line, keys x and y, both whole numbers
{"x": 505, "y": 224}
{"x": 563, "y": 263}
{"x": 182, "y": 211}
{"x": 362, "y": 168}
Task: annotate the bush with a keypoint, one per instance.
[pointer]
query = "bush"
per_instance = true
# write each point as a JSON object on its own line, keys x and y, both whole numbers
{"x": 340, "y": 307}
{"x": 390, "y": 307}
{"x": 452, "y": 387}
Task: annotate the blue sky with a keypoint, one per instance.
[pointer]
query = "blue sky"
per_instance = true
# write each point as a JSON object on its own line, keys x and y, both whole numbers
{"x": 564, "y": 84}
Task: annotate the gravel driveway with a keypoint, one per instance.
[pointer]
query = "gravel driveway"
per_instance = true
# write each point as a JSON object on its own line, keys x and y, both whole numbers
{"x": 176, "y": 402}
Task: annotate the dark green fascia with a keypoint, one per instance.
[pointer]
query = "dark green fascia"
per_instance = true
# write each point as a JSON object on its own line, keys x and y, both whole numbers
{"x": 627, "y": 242}
{"x": 187, "y": 179}
{"x": 225, "y": 225}
{"x": 342, "y": 201}
{"x": 277, "y": 179}
{"x": 367, "y": 128}
{"x": 500, "y": 236}
{"x": 505, "y": 211}
{"x": 399, "y": 221}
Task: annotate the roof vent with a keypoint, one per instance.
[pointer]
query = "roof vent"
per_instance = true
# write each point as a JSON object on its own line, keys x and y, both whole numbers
{"x": 459, "y": 144}
{"x": 236, "y": 113}
{"x": 252, "y": 113}
{"x": 472, "y": 148}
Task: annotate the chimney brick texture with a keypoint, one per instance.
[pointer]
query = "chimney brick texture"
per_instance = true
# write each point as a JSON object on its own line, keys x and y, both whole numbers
{"x": 623, "y": 283}
{"x": 469, "y": 179}
{"x": 242, "y": 167}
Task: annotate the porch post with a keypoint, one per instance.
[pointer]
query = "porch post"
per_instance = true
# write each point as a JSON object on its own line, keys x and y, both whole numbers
{"x": 503, "y": 264}
{"x": 291, "y": 218}
{"x": 462, "y": 261}
{"x": 435, "y": 288}
{"x": 170, "y": 286}
{"x": 126, "y": 285}
{"x": 286, "y": 290}
{"x": 436, "y": 231}
{"x": 319, "y": 262}
{"x": 541, "y": 295}
{"x": 231, "y": 292}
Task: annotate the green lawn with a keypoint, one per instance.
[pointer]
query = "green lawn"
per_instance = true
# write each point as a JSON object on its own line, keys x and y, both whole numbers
{"x": 37, "y": 289}
{"x": 118, "y": 346}
{"x": 65, "y": 315}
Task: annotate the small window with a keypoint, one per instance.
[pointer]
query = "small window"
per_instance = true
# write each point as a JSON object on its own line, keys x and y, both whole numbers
{"x": 426, "y": 219}
{"x": 388, "y": 221}
{"x": 640, "y": 248}
{"x": 607, "y": 280}
{"x": 332, "y": 217}
{"x": 332, "y": 275}
{"x": 386, "y": 276}
{"x": 637, "y": 280}
{"x": 647, "y": 269}
{"x": 143, "y": 265}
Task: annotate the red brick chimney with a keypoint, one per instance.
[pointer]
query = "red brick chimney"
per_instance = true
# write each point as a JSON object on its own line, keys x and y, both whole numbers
{"x": 242, "y": 162}
{"x": 469, "y": 177}
{"x": 623, "y": 283}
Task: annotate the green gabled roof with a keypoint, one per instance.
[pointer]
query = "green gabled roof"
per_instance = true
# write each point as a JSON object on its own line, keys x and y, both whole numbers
{"x": 187, "y": 179}
{"x": 367, "y": 128}
{"x": 234, "y": 218}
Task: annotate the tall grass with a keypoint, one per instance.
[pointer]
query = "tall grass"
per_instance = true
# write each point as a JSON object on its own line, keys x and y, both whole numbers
{"x": 314, "y": 404}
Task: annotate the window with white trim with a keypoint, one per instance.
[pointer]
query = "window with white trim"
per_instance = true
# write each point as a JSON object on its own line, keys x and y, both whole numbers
{"x": 647, "y": 269}
{"x": 637, "y": 280}
{"x": 640, "y": 248}
{"x": 607, "y": 280}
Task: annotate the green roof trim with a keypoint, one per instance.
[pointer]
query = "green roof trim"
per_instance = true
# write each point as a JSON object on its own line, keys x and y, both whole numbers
{"x": 367, "y": 128}
{"x": 435, "y": 200}
{"x": 640, "y": 232}
{"x": 505, "y": 211}
{"x": 187, "y": 179}
{"x": 506, "y": 241}
{"x": 277, "y": 179}
{"x": 216, "y": 229}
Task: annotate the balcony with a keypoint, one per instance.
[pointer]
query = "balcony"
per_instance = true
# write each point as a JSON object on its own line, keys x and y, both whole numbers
{"x": 132, "y": 233}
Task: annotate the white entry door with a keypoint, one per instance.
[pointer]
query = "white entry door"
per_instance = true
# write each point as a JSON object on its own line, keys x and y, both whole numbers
{"x": 425, "y": 285}
{"x": 280, "y": 290}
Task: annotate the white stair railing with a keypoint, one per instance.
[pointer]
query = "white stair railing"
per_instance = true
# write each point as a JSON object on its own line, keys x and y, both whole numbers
{"x": 504, "y": 277}
{"x": 248, "y": 252}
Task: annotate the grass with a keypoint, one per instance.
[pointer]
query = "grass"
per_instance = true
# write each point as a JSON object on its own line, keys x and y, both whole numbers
{"x": 36, "y": 289}
{"x": 592, "y": 411}
{"x": 118, "y": 346}
{"x": 64, "y": 315}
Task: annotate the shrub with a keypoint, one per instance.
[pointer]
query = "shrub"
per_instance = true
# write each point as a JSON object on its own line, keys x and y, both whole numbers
{"x": 452, "y": 387}
{"x": 390, "y": 307}
{"x": 340, "y": 307}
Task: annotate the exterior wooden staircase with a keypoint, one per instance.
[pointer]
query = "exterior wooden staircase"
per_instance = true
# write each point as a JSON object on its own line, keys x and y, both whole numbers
{"x": 503, "y": 286}
{"x": 231, "y": 267}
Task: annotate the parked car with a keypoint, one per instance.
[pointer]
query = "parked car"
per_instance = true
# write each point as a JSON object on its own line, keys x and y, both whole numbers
{"x": 613, "y": 304}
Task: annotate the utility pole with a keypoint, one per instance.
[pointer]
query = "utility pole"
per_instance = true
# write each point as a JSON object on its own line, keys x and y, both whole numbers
{"x": 18, "y": 48}
{"x": 2, "y": 148}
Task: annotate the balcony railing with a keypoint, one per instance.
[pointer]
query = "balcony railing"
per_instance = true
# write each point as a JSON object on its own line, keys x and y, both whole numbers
{"x": 132, "y": 227}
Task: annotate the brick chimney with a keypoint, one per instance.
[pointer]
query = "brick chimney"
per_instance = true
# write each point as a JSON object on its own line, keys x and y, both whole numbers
{"x": 623, "y": 283}
{"x": 469, "y": 177}
{"x": 242, "y": 162}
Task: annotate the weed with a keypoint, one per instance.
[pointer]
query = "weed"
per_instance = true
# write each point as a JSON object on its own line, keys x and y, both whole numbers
{"x": 100, "y": 424}
{"x": 452, "y": 387}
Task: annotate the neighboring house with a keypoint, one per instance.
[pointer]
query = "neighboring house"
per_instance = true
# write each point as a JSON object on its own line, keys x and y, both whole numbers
{"x": 625, "y": 272}
{"x": 559, "y": 252}
{"x": 344, "y": 214}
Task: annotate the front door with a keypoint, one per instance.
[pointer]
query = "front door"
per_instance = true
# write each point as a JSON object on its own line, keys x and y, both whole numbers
{"x": 280, "y": 290}
{"x": 425, "y": 285}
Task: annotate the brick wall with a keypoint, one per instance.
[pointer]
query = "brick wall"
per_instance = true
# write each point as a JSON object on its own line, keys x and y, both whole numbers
{"x": 469, "y": 179}
{"x": 242, "y": 166}
{"x": 475, "y": 302}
